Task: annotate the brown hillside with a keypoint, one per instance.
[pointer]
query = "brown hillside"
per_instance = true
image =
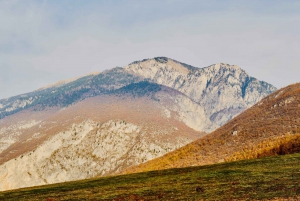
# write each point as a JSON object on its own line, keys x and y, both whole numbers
{"x": 143, "y": 111}
{"x": 270, "y": 127}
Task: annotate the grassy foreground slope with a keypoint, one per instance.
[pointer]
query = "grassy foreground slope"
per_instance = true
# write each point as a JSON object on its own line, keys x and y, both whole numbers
{"x": 273, "y": 178}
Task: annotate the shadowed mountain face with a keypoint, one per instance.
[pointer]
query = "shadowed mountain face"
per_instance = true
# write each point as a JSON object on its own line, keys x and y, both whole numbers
{"x": 103, "y": 123}
{"x": 271, "y": 127}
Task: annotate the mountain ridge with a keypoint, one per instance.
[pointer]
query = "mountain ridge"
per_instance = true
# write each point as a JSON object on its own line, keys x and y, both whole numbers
{"x": 90, "y": 85}
{"x": 101, "y": 124}
{"x": 215, "y": 84}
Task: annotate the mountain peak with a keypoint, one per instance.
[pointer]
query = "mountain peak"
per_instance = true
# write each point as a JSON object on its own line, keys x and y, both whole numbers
{"x": 226, "y": 65}
{"x": 157, "y": 59}
{"x": 162, "y": 61}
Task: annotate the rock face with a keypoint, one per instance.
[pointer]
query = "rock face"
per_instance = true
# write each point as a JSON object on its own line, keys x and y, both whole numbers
{"x": 222, "y": 90}
{"x": 101, "y": 124}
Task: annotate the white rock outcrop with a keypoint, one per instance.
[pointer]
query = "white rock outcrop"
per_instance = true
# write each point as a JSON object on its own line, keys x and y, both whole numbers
{"x": 86, "y": 150}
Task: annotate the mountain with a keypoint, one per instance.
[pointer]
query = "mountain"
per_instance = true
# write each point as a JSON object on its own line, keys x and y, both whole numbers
{"x": 222, "y": 90}
{"x": 103, "y": 123}
{"x": 270, "y": 127}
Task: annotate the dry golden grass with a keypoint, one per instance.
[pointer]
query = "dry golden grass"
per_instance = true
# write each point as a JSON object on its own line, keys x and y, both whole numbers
{"x": 287, "y": 144}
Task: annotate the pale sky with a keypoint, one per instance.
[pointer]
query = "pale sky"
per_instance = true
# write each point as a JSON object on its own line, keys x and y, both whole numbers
{"x": 42, "y": 42}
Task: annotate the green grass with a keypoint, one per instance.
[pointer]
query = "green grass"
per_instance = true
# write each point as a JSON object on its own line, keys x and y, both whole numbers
{"x": 265, "y": 178}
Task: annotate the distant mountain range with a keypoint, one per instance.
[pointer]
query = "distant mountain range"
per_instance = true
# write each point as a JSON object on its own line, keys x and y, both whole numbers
{"x": 104, "y": 123}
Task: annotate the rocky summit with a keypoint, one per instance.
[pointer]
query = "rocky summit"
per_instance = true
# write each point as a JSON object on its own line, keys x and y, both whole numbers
{"x": 222, "y": 90}
{"x": 103, "y": 123}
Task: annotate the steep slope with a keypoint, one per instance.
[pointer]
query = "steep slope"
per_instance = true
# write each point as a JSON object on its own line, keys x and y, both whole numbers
{"x": 270, "y": 127}
{"x": 223, "y": 90}
{"x": 99, "y": 136}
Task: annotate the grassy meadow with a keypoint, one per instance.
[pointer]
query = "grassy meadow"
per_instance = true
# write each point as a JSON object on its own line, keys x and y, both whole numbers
{"x": 270, "y": 178}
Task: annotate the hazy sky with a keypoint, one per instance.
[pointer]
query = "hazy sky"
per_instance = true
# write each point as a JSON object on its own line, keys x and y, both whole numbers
{"x": 45, "y": 41}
